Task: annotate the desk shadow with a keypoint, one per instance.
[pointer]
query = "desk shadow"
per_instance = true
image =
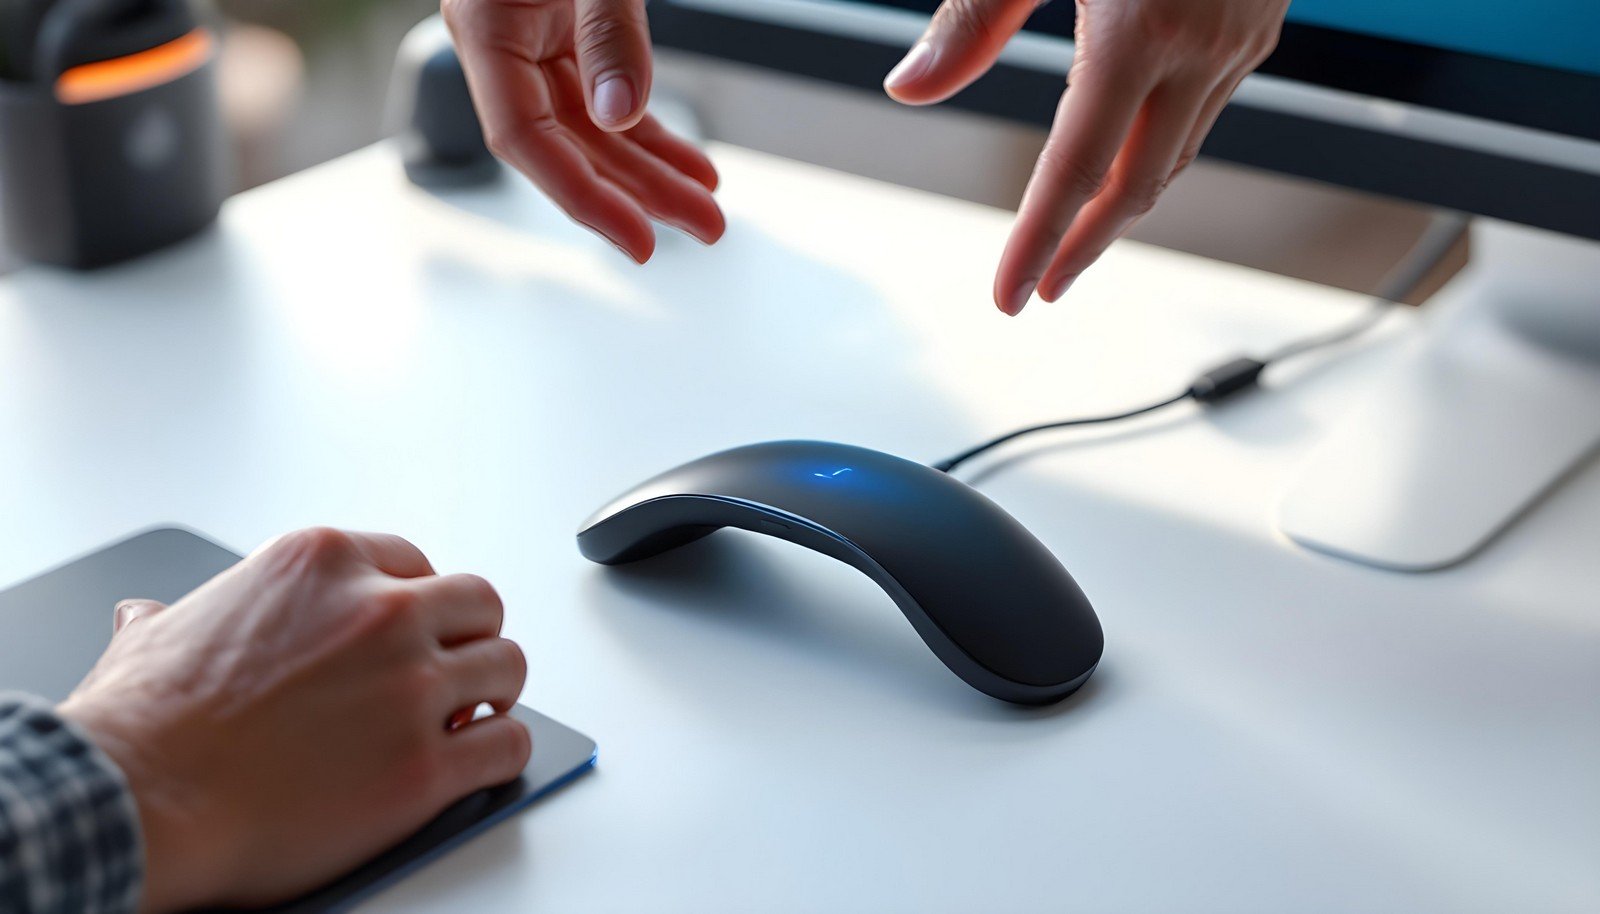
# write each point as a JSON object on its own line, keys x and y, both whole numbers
{"x": 511, "y": 208}
{"x": 726, "y": 582}
{"x": 442, "y": 882}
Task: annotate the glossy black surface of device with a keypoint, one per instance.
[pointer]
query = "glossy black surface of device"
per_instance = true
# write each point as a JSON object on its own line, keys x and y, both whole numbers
{"x": 985, "y": 595}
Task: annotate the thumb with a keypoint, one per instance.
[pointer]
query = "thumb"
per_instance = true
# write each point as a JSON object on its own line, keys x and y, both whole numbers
{"x": 613, "y": 48}
{"x": 961, "y": 43}
{"x": 129, "y": 610}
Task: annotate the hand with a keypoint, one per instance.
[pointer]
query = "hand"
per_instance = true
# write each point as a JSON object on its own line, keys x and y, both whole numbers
{"x": 301, "y": 712}
{"x": 1147, "y": 82}
{"x": 560, "y": 87}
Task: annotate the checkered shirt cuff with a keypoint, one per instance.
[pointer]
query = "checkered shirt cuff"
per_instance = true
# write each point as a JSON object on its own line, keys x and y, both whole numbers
{"x": 69, "y": 829}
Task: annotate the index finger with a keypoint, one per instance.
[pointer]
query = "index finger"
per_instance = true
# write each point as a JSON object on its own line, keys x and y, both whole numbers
{"x": 1138, "y": 177}
{"x": 1092, "y": 122}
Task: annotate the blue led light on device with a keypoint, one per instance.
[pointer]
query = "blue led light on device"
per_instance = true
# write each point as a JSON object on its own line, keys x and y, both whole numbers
{"x": 835, "y": 474}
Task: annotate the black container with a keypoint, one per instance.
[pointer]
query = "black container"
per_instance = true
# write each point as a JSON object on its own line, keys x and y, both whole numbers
{"x": 441, "y": 141}
{"x": 111, "y": 141}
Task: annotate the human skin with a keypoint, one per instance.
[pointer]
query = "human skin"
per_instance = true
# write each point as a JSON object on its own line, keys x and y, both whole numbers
{"x": 301, "y": 712}
{"x": 1148, "y": 79}
{"x": 561, "y": 88}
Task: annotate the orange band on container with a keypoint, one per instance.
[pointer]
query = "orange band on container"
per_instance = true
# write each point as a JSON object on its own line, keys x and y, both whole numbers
{"x": 92, "y": 82}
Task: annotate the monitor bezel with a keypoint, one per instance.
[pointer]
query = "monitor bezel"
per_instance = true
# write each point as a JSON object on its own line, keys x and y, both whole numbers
{"x": 1511, "y": 92}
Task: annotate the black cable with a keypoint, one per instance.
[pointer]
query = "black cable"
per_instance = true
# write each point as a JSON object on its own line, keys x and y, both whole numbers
{"x": 945, "y": 466}
{"x": 1212, "y": 386}
{"x": 1244, "y": 373}
{"x": 1379, "y": 310}
{"x": 1443, "y": 232}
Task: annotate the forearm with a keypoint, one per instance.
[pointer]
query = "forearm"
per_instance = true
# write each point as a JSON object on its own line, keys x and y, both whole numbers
{"x": 69, "y": 828}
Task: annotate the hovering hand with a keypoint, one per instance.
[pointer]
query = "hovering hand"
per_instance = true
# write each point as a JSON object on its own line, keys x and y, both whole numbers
{"x": 560, "y": 87}
{"x": 1148, "y": 81}
{"x": 301, "y": 712}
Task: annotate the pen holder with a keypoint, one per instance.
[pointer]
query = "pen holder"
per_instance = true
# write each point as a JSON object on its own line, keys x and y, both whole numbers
{"x": 112, "y": 157}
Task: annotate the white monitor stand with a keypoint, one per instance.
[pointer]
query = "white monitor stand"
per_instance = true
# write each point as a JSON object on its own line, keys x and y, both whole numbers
{"x": 1493, "y": 406}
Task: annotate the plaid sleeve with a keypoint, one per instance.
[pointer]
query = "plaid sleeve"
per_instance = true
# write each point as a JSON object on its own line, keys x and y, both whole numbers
{"x": 69, "y": 829}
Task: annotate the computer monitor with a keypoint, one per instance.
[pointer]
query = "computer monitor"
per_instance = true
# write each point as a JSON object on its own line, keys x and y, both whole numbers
{"x": 1467, "y": 105}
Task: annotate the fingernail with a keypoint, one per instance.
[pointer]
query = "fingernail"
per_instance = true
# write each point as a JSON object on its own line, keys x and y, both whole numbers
{"x": 624, "y": 251}
{"x": 917, "y": 62}
{"x": 1061, "y": 287}
{"x": 613, "y": 99}
{"x": 611, "y": 241}
{"x": 1019, "y": 297}
{"x": 692, "y": 232}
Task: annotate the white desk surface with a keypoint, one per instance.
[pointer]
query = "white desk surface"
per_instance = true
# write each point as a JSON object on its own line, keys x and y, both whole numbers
{"x": 1270, "y": 730}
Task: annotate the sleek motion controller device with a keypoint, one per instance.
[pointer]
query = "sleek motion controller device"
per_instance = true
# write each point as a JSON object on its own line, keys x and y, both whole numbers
{"x": 985, "y": 595}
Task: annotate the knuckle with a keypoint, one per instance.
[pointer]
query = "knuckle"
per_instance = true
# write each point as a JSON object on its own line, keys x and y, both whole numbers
{"x": 1154, "y": 24}
{"x": 480, "y": 591}
{"x": 418, "y": 685}
{"x": 1215, "y": 49}
{"x": 319, "y": 539}
{"x": 519, "y": 747}
{"x": 1263, "y": 44}
{"x": 969, "y": 21}
{"x": 514, "y": 659}
{"x": 392, "y": 609}
{"x": 1139, "y": 195}
{"x": 494, "y": 138}
{"x": 500, "y": 141}
{"x": 505, "y": 141}
{"x": 315, "y": 545}
{"x": 507, "y": 753}
{"x": 1197, "y": 44}
{"x": 1184, "y": 161}
{"x": 603, "y": 31}
{"x": 1078, "y": 176}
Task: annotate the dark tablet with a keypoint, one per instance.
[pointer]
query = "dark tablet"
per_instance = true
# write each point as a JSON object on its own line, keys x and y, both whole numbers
{"x": 53, "y": 628}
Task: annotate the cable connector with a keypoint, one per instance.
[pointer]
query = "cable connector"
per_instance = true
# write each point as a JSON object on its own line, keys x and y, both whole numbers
{"x": 1227, "y": 379}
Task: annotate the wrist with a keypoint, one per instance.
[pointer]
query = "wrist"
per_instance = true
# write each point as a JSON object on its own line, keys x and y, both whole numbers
{"x": 184, "y": 849}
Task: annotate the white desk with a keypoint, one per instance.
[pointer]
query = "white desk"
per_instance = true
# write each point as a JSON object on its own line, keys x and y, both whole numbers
{"x": 1270, "y": 731}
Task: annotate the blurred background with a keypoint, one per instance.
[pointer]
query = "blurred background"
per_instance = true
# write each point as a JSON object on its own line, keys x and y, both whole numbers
{"x": 304, "y": 81}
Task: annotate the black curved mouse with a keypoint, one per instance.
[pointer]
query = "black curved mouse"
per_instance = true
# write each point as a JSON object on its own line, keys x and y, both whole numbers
{"x": 990, "y": 600}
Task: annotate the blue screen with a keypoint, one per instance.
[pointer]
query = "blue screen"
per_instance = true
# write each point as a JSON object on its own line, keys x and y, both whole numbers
{"x": 1564, "y": 34}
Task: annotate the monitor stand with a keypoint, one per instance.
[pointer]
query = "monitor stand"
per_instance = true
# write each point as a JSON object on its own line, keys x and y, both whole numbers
{"x": 1491, "y": 407}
